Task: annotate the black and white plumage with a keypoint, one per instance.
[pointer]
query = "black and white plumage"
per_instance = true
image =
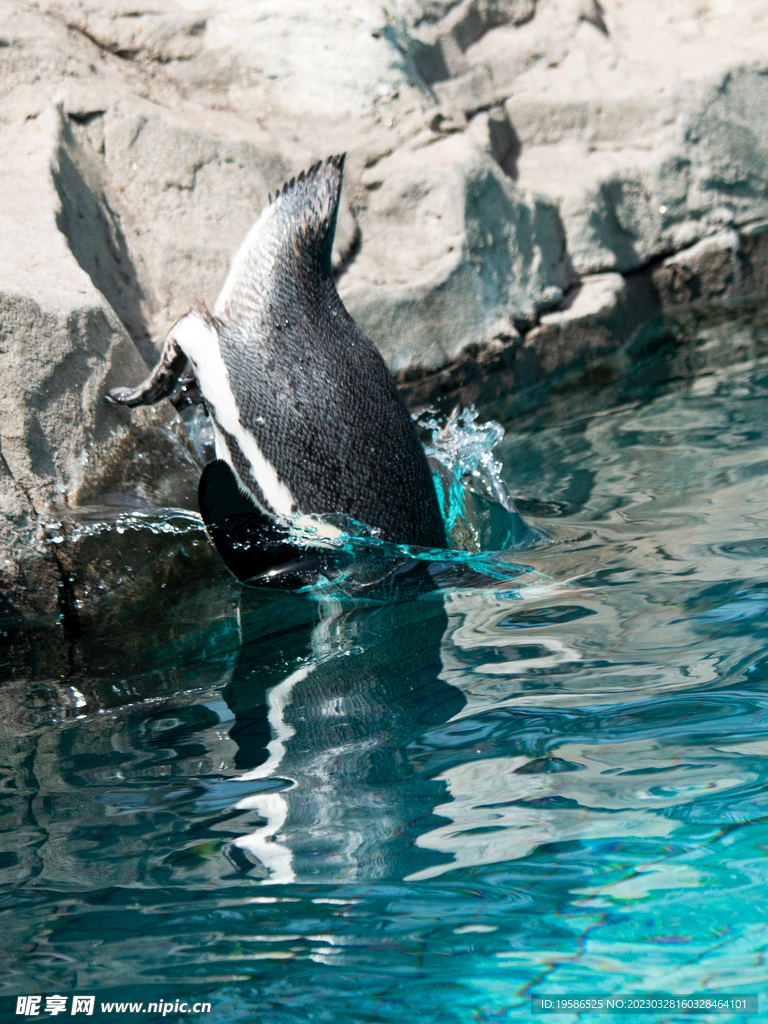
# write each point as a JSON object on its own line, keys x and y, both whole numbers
{"x": 305, "y": 413}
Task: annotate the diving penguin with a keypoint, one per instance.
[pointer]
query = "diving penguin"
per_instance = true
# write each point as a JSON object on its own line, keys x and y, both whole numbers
{"x": 306, "y": 417}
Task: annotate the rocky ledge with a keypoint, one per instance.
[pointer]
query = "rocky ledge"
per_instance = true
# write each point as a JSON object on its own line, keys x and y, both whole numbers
{"x": 527, "y": 182}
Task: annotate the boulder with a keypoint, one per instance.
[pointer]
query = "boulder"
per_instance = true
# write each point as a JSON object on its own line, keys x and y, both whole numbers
{"x": 311, "y": 73}
{"x": 651, "y": 168}
{"x": 186, "y": 199}
{"x": 437, "y": 36}
{"x": 729, "y": 265}
{"x": 63, "y": 347}
{"x": 595, "y": 319}
{"x": 648, "y": 132}
{"x": 162, "y": 36}
{"x": 633, "y": 136}
{"x": 453, "y": 253}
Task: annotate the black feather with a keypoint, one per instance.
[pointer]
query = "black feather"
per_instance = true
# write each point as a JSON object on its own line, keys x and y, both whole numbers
{"x": 253, "y": 546}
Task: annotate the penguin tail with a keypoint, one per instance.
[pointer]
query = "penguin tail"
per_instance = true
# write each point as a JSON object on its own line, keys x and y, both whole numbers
{"x": 307, "y": 207}
{"x": 296, "y": 227}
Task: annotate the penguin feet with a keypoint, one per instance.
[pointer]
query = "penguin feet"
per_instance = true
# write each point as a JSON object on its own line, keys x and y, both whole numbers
{"x": 159, "y": 384}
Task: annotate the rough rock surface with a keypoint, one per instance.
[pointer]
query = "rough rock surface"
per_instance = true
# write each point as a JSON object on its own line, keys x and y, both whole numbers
{"x": 526, "y": 181}
{"x": 729, "y": 265}
{"x": 62, "y": 346}
{"x": 468, "y": 254}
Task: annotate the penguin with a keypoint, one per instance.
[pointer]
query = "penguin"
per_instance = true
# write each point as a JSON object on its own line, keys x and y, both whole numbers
{"x": 307, "y": 419}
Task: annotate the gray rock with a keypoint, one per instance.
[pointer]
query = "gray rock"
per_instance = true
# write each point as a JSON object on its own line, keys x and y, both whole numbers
{"x": 437, "y": 35}
{"x": 119, "y": 28}
{"x": 729, "y": 265}
{"x": 62, "y": 348}
{"x": 753, "y": 245}
{"x": 186, "y": 200}
{"x": 465, "y": 95}
{"x": 658, "y": 127}
{"x": 595, "y": 318}
{"x": 452, "y": 253}
{"x": 169, "y": 227}
{"x": 492, "y": 131}
{"x": 709, "y": 269}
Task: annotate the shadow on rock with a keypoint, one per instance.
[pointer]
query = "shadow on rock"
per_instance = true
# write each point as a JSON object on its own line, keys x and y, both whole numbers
{"x": 96, "y": 238}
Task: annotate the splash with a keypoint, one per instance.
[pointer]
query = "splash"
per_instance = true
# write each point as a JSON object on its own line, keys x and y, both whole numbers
{"x": 476, "y": 504}
{"x": 482, "y": 524}
{"x": 72, "y": 524}
{"x": 199, "y": 431}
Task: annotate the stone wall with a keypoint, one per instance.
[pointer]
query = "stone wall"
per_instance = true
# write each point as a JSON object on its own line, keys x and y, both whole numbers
{"x": 527, "y": 181}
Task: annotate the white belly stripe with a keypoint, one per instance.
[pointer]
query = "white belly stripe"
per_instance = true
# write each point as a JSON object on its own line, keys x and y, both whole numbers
{"x": 200, "y": 344}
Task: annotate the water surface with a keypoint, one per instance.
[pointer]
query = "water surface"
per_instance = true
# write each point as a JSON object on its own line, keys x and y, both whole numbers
{"x": 323, "y": 807}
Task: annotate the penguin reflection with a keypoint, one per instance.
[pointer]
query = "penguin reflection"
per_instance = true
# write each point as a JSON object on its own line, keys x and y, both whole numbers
{"x": 324, "y": 738}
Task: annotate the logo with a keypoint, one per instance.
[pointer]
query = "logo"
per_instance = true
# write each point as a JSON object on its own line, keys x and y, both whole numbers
{"x": 29, "y": 1006}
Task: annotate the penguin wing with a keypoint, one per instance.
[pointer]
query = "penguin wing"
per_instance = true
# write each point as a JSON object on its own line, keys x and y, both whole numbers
{"x": 294, "y": 232}
{"x": 252, "y": 545}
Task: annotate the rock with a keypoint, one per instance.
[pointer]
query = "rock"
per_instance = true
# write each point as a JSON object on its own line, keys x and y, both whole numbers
{"x": 119, "y": 28}
{"x": 592, "y": 11}
{"x": 498, "y": 151}
{"x": 623, "y": 207}
{"x": 437, "y": 36}
{"x": 186, "y": 199}
{"x": 704, "y": 271}
{"x": 109, "y": 586}
{"x": 647, "y": 174}
{"x": 62, "y": 347}
{"x": 452, "y": 254}
{"x": 493, "y": 132}
{"x": 29, "y": 578}
{"x": 660, "y": 122}
{"x": 753, "y": 239}
{"x": 658, "y": 125}
{"x": 595, "y": 318}
{"x": 647, "y": 133}
{"x": 464, "y": 96}
{"x": 315, "y": 71}
{"x": 170, "y": 228}
{"x": 478, "y": 373}
{"x": 729, "y": 265}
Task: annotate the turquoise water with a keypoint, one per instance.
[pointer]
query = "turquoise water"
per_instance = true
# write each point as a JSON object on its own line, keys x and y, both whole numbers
{"x": 543, "y": 780}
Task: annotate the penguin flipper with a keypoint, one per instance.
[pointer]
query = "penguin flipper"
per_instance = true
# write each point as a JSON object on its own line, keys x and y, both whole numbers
{"x": 253, "y": 546}
{"x": 159, "y": 384}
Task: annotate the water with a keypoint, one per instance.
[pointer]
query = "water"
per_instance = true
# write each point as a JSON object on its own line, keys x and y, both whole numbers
{"x": 547, "y": 773}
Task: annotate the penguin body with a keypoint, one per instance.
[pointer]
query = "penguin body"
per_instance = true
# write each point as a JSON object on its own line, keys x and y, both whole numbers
{"x": 305, "y": 413}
